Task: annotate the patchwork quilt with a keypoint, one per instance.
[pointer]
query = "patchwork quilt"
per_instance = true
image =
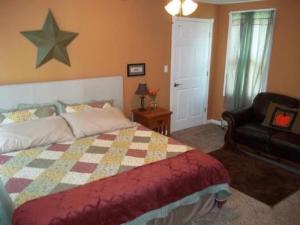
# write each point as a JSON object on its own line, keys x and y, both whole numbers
{"x": 37, "y": 172}
{"x": 130, "y": 195}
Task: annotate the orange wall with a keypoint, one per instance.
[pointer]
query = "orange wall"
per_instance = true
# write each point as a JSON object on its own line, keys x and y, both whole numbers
{"x": 114, "y": 33}
{"x": 284, "y": 76}
{"x": 111, "y": 34}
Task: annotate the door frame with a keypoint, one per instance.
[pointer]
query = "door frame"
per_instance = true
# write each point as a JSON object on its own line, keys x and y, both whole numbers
{"x": 174, "y": 20}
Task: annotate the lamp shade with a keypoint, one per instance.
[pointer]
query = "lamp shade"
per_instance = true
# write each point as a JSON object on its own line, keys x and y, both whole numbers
{"x": 181, "y": 7}
{"x": 188, "y": 7}
{"x": 142, "y": 89}
{"x": 173, "y": 7}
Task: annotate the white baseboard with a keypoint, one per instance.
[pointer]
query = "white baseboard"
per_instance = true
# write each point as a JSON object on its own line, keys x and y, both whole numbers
{"x": 212, "y": 121}
{"x": 217, "y": 122}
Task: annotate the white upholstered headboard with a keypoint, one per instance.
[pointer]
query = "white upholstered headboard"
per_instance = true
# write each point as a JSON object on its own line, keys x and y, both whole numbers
{"x": 69, "y": 91}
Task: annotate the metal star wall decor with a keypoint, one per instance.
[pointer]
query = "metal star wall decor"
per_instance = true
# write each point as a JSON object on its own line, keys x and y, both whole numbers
{"x": 51, "y": 42}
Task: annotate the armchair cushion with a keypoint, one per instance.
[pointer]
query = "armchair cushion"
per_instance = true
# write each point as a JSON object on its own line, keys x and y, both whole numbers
{"x": 286, "y": 145}
{"x": 253, "y": 134}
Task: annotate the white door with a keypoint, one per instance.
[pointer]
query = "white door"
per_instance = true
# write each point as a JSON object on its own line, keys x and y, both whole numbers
{"x": 191, "y": 51}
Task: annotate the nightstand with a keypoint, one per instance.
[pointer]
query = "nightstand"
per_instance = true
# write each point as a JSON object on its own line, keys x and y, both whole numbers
{"x": 155, "y": 119}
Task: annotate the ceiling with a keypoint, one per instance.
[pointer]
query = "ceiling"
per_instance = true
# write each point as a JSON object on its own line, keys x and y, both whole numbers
{"x": 225, "y": 1}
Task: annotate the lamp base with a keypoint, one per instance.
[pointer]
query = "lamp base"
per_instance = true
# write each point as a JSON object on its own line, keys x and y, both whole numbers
{"x": 142, "y": 103}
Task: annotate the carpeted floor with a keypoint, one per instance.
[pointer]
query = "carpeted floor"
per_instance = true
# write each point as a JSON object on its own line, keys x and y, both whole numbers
{"x": 259, "y": 179}
{"x": 207, "y": 137}
{"x": 241, "y": 209}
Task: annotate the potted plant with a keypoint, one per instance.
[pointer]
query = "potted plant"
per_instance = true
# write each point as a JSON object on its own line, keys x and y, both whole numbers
{"x": 152, "y": 94}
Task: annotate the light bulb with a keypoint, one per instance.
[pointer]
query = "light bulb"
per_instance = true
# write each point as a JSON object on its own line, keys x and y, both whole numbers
{"x": 188, "y": 7}
{"x": 173, "y": 7}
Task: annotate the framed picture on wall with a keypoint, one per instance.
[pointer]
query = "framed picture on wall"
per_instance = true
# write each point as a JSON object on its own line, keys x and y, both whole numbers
{"x": 137, "y": 69}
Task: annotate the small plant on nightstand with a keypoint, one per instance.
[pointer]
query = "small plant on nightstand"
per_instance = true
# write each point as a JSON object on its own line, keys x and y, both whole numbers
{"x": 152, "y": 94}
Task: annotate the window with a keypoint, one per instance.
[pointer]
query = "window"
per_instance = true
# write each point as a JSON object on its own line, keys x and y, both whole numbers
{"x": 248, "y": 56}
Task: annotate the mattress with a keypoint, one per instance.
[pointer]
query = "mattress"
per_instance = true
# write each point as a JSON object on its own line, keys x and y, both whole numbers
{"x": 35, "y": 173}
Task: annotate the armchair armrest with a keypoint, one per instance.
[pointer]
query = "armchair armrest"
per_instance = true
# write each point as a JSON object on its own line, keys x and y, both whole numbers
{"x": 235, "y": 119}
{"x": 238, "y": 117}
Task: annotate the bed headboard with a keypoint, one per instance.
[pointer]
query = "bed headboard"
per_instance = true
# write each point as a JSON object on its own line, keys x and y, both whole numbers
{"x": 70, "y": 91}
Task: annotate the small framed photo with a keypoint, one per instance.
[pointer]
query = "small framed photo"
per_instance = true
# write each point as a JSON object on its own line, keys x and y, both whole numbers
{"x": 138, "y": 69}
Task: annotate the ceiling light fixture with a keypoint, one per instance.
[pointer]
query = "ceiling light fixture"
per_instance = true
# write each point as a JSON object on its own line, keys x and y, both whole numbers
{"x": 181, "y": 7}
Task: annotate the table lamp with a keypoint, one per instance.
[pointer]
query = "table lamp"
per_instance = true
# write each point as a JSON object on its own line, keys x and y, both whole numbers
{"x": 142, "y": 90}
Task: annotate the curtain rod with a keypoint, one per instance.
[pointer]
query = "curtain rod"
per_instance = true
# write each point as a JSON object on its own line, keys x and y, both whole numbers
{"x": 253, "y": 10}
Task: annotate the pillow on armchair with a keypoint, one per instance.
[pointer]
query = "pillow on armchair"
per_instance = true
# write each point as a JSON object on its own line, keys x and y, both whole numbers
{"x": 283, "y": 118}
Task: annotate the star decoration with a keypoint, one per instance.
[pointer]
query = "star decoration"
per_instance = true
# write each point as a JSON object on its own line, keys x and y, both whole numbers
{"x": 51, "y": 42}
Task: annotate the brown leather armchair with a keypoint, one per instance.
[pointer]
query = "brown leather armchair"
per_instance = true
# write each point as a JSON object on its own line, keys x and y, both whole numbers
{"x": 245, "y": 129}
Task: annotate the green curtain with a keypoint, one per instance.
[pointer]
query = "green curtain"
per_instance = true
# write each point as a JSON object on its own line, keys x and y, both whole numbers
{"x": 248, "y": 57}
{"x": 243, "y": 62}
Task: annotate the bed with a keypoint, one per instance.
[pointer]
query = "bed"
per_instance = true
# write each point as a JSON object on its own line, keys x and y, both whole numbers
{"x": 130, "y": 175}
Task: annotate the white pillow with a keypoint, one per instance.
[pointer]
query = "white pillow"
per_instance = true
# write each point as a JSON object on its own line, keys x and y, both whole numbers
{"x": 45, "y": 131}
{"x": 97, "y": 121}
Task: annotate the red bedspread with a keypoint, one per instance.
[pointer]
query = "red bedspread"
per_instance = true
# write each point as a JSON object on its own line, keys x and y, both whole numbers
{"x": 124, "y": 197}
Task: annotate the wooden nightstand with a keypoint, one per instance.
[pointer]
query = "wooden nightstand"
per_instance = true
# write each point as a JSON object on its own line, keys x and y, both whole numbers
{"x": 155, "y": 119}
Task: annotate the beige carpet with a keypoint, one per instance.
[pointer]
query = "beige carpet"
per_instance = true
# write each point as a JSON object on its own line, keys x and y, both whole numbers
{"x": 240, "y": 208}
{"x": 207, "y": 137}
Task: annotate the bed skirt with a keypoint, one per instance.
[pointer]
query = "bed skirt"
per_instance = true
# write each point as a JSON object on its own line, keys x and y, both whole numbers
{"x": 186, "y": 209}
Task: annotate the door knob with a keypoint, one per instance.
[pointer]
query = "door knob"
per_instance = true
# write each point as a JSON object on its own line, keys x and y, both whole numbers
{"x": 176, "y": 85}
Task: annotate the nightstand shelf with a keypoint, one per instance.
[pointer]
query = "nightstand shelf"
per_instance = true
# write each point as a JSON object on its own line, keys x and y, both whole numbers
{"x": 155, "y": 119}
